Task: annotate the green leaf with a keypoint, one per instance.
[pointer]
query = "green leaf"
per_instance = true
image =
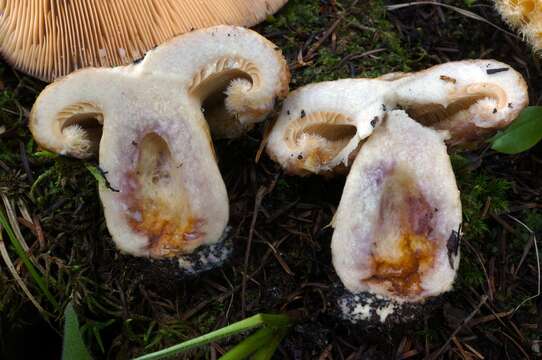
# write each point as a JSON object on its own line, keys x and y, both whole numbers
{"x": 524, "y": 133}
{"x": 45, "y": 154}
{"x": 96, "y": 173}
{"x": 73, "y": 347}
{"x": 272, "y": 321}
{"x": 266, "y": 352}
{"x": 250, "y": 345}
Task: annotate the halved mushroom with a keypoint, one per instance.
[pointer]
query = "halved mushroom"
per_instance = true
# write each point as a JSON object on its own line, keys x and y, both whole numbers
{"x": 396, "y": 227}
{"x": 51, "y": 38}
{"x": 321, "y": 126}
{"x": 165, "y": 197}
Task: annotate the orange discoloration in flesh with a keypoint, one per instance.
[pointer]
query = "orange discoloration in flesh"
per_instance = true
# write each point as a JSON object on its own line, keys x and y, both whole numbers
{"x": 413, "y": 250}
{"x": 404, "y": 274}
{"x": 169, "y": 235}
{"x": 158, "y": 204}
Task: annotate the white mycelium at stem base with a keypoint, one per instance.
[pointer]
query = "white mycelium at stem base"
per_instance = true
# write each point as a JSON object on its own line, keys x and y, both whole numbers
{"x": 165, "y": 196}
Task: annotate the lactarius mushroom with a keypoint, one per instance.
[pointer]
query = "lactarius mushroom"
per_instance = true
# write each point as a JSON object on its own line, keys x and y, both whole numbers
{"x": 524, "y": 16}
{"x": 321, "y": 126}
{"x": 395, "y": 243}
{"x": 165, "y": 197}
{"x": 51, "y": 38}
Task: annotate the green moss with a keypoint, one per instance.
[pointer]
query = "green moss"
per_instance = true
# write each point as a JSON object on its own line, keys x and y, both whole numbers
{"x": 360, "y": 31}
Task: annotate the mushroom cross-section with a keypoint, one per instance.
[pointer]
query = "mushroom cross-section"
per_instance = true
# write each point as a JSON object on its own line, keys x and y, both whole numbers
{"x": 165, "y": 197}
{"x": 51, "y": 38}
{"x": 396, "y": 223}
{"x": 321, "y": 126}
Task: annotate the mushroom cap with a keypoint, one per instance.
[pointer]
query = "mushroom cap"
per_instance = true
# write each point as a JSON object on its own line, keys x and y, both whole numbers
{"x": 166, "y": 197}
{"x": 524, "y": 16}
{"x": 321, "y": 126}
{"x": 399, "y": 208}
{"x": 52, "y": 38}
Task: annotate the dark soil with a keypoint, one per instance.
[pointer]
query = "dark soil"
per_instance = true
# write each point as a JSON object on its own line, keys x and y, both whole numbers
{"x": 128, "y": 310}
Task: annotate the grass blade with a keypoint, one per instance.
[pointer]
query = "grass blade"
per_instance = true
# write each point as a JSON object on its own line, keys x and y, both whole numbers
{"x": 26, "y": 261}
{"x": 250, "y": 345}
{"x": 17, "y": 277}
{"x": 271, "y": 320}
{"x": 266, "y": 352}
{"x": 73, "y": 347}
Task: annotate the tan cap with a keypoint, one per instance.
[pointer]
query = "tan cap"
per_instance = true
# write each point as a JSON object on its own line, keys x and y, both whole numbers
{"x": 51, "y": 38}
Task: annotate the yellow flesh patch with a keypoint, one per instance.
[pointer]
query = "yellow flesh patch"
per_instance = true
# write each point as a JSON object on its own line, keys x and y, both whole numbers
{"x": 160, "y": 208}
{"x": 402, "y": 251}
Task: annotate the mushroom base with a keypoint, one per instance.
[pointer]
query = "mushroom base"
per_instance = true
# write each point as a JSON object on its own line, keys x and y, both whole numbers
{"x": 206, "y": 257}
{"x": 369, "y": 309}
{"x": 171, "y": 270}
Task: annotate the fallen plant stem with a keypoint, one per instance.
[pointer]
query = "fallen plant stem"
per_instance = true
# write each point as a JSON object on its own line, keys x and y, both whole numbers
{"x": 436, "y": 355}
{"x": 459, "y": 10}
{"x": 26, "y": 261}
{"x": 271, "y": 322}
{"x": 16, "y": 276}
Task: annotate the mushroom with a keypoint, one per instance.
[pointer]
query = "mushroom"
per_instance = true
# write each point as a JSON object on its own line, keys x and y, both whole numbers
{"x": 395, "y": 242}
{"x": 322, "y": 126}
{"x": 52, "y": 38}
{"x": 524, "y": 16}
{"x": 164, "y": 196}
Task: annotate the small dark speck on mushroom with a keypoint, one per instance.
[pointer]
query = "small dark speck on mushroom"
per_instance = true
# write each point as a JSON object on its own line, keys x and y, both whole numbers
{"x": 300, "y": 157}
{"x": 510, "y": 105}
{"x": 303, "y": 113}
{"x": 384, "y": 107}
{"x": 448, "y": 79}
{"x": 453, "y": 245}
{"x": 229, "y": 35}
{"x": 107, "y": 184}
{"x": 134, "y": 143}
{"x": 287, "y": 112}
{"x": 494, "y": 111}
{"x": 374, "y": 121}
{"x": 495, "y": 71}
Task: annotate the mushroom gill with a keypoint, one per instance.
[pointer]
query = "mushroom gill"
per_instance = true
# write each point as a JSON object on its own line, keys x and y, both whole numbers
{"x": 81, "y": 125}
{"x": 322, "y": 136}
{"x": 220, "y": 87}
{"x": 469, "y": 99}
{"x": 52, "y": 38}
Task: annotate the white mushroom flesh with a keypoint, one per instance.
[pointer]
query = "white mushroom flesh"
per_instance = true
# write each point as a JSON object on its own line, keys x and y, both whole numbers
{"x": 164, "y": 195}
{"x": 397, "y": 222}
{"x": 470, "y": 99}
